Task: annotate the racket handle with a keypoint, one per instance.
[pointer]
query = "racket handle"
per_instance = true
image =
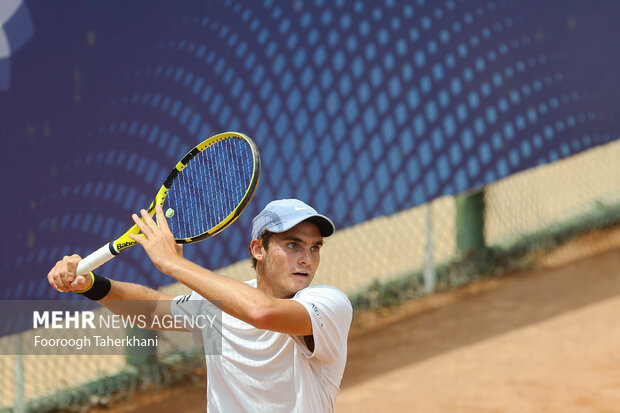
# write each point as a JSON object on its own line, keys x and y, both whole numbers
{"x": 94, "y": 260}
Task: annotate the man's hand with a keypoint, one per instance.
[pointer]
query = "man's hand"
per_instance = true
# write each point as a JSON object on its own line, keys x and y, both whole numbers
{"x": 63, "y": 279}
{"x": 157, "y": 239}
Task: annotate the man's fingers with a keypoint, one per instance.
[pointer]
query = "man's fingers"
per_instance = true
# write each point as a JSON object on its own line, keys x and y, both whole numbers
{"x": 161, "y": 219}
{"x": 81, "y": 282}
{"x": 62, "y": 275}
{"x": 71, "y": 267}
{"x": 58, "y": 282}
{"x": 141, "y": 225}
{"x": 139, "y": 238}
{"x": 51, "y": 277}
{"x": 145, "y": 223}
{"x": 60, "y": 278}
{"x": 148, "y": 219}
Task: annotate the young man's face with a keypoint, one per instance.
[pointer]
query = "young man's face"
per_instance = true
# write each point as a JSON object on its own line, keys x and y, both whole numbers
{"x": 291, "y": 259}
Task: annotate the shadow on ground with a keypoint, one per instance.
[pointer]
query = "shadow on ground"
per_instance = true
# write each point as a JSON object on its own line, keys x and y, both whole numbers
{"x": 481, "y": 311}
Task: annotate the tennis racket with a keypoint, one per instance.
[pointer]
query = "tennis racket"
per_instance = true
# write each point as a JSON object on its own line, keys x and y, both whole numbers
{"x": 205, "y": 192}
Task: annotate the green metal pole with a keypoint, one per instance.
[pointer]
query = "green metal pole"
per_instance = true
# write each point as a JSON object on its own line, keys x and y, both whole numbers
{"x": 470, "y": 223}
{"x": 141, "y": 356}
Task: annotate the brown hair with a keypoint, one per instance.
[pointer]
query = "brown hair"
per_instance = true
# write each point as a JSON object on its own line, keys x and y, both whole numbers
{"x": 264, "y": 238}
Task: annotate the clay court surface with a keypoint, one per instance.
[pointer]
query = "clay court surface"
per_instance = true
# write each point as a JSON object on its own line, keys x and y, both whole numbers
{"x": 545, "y": 340}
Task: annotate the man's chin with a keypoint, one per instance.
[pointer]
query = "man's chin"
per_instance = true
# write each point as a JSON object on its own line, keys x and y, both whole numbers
{"x": 299, "y": 285}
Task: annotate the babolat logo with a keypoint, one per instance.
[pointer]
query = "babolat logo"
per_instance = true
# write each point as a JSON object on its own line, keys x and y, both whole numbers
{"x": 123, "y": 245}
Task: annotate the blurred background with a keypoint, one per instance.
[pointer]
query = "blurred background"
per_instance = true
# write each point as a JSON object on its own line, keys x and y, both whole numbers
{"x": 449, "y": 141}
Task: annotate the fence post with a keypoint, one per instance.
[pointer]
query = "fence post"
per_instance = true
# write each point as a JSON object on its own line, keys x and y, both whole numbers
{"x": 470, "y": 225}
{"x": 430, "y": 276}
{"x": 20, "y": 404}
{"x": 137, "y": 356}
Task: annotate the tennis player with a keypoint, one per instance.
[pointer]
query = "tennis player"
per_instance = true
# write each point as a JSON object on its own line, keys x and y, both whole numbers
{"x": 284, "y": 342}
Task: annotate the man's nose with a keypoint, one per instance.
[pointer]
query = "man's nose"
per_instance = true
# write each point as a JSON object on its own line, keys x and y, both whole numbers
{"x": 304, "y": 257}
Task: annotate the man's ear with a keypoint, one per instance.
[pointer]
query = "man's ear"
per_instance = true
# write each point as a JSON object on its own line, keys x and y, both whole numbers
{"x": 257, "y": 249}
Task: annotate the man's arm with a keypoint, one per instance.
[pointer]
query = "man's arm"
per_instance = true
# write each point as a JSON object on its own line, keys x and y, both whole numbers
{"x": 237, "y": 299}
{"x": 124, "y": 298}
{"x": 243, "y": 301}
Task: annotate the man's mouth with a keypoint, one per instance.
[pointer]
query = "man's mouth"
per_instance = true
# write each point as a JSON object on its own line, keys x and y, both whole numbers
{"x": 301, "y": 274}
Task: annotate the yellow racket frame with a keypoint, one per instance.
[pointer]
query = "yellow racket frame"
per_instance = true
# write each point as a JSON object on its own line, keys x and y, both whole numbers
{"x": 111, "y": 249}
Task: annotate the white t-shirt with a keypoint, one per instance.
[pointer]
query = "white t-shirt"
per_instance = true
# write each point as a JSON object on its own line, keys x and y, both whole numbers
{"x": 266, "y": 371}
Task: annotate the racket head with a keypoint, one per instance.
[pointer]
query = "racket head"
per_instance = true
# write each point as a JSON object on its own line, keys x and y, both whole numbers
{"x": 207, "y": 190}
{"x": 210, "y": 187}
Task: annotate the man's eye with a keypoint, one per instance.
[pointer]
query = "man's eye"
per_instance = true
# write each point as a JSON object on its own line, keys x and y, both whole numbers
{"x": 291, "y": 245}
{"x": 315, "y": 249}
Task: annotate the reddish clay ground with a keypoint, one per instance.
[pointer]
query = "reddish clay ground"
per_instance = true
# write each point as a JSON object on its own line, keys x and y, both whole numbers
{"x": 546, "y": 340}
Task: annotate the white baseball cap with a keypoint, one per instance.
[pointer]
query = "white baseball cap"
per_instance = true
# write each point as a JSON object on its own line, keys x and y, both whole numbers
{"x": 283, "y": 214}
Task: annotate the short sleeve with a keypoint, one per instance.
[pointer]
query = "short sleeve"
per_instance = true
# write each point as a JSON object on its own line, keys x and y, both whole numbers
{"x": 189, "y": 305}
{"x": 331, "y": 313}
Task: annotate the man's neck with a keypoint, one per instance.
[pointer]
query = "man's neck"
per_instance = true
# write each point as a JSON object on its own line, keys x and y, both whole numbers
{"x": 263, "y": 284}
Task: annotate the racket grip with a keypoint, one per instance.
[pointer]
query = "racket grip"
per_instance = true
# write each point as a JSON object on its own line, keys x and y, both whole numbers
{"x": 94, "y": 260}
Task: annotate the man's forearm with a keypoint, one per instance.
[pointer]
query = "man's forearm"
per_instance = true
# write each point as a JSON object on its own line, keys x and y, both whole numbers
{"x": 129, "y": 299}
{"x": 237, "y": 299}
{"x": 129, "y": 291}
{"x": 241, "y": 300}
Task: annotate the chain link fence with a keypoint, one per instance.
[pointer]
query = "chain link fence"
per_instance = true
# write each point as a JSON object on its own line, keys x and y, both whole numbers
{"x": 379, "y": 263}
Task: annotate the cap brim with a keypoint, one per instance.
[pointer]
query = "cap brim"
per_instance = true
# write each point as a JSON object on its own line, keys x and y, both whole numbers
{"x": 325, "y": 225}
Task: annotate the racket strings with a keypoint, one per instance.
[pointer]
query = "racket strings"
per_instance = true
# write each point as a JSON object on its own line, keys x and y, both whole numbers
{"x": 210, "y": 187}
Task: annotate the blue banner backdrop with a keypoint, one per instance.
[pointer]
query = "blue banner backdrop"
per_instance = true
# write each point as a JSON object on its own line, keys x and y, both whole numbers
{"x": 361, "y": 108}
